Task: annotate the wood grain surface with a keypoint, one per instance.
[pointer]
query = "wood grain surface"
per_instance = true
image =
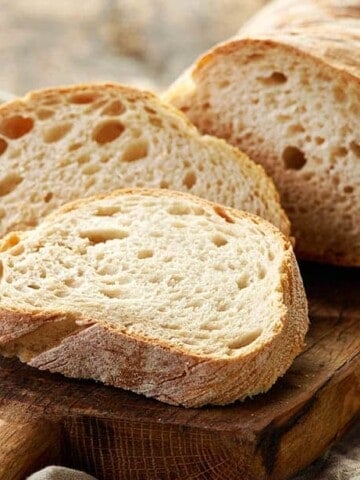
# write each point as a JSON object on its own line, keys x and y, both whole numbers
{"x": 114, "y": 434}
{"x": 25, "y": 447}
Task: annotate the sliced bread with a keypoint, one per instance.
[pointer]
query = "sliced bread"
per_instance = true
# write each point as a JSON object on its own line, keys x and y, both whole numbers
{"x": 154, "y": 291}
{"x": 61, "y": 144}
{"x": 286, "y": 91}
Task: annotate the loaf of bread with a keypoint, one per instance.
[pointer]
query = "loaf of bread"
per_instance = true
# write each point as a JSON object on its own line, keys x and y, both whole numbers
{"x": 286, "y": 91}
{"x": 61, "y": 144}
{"x": 158, "y": 292}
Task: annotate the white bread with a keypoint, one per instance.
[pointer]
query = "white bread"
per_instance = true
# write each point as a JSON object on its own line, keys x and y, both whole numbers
{"x": 286, "y": 91}
{"x": 155, "y": 291}
{"x": 61, "y": 144}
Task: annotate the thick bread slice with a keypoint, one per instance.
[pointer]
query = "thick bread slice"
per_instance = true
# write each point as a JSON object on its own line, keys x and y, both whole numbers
{"x": 286, "y": 90}
{"x": 155, "y": 291}
{"x": 66, "y": 143}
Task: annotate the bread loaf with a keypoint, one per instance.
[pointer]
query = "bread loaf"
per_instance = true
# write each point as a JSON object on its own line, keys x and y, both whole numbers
{"x": 154, "y": 291}
{"x": 286, "y": 91}
{"x": 61, "y": 144}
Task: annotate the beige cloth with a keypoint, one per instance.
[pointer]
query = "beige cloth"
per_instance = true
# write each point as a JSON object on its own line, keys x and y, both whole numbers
{"x": 60, "y": 473}
{"x": 342, "y": 462}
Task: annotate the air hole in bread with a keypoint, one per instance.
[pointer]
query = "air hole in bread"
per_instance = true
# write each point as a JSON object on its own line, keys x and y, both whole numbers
{"x": 34, "y": 286}
{"x": 222, "y": 306}
{"x": 114, "y": 108}
{"x": 156, "y": 121}
{"x": 61, "y": 293}
{"x": 111, "y": 292}
{"x": 107, "y": 270}
{"x": 319, "y": 140}
{"x": 276, "y": 78}
{"x": 243, "y": 281}
{"x": 211, "y": 326}
{"x": 198, "y": 210}
{"x": 142, "y": 254}
{"x": 178, "y": 224}
{"x": 96, "y": 236}
{"x": 107, "y": 211}
{"x": 355, "y": 148}
{"x": 219, "y": 267}
{"x": 156, "y": 234}
{"x": 82, "y": 98}
{"x": 339, "y": 94}
{"x": 83, "y": 159}
{"x": 253, "y": 57}
{"x": 339, "y": 151}
{"x": 16, "y": 126}
{"x": 155, "y": 279}
{"x": 189, "y": 180}
{"x": 164, "y": 184}
{"x": 348, "y": 189}
{"x": 296, "y": 128}
{"x": 18, "y": 249}
{"x": 91, "y": 169}
{"x": 107, "y": 131}
{"x": 42, "y": 273}
{"x": 44, "y": 113}
{"x": 48, "y": 197}
{"x": 221, "y": 212}
{"x": 51, "y": 100}
{"x": 261, "y": 272}
{"x": 223, "y": 84}
{"x": 219, "y": 240}
{"x": 335, "y": 180}
{"x": 149, "y": 109}
{"x": 308, "y": 176}
{"x": 174, "y": 280}
{"x": 169, "y": 326}
{"x": 2, "y": 213}
{"x": 294, "y": 158}
{"x": 89, "y": 182}
{"x": 3, "y": 145}
{"x": 179, "y": 209}
{"x": 70, "y": 282}
{"x": 135, "y": 151}
{"x": 75, "y": 146}
{"x": 245, "y": 340}
{"x": 9, "y": 182}
{"x": 56, "y": 132}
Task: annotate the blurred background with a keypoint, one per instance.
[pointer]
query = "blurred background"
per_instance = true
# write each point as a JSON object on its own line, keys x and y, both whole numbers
{"x": 146, "y": 43}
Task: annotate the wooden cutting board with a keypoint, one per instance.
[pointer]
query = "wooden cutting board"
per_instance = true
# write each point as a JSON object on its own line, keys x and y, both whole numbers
{"x": 114, "y": 434}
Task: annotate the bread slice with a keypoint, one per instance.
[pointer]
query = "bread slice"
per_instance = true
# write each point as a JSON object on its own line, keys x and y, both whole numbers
{"x": 286, "y": 90}
{"x": 154, "y": 291}
{"x": 61, "y": 144}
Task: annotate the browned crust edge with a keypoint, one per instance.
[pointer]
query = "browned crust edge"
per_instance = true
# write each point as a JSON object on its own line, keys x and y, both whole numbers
{"x": 102, "y": 352}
